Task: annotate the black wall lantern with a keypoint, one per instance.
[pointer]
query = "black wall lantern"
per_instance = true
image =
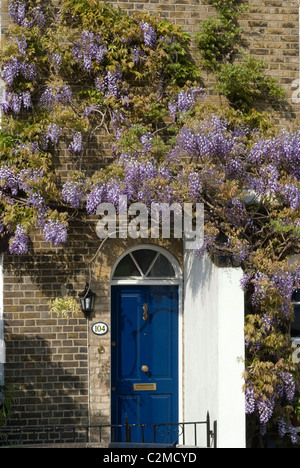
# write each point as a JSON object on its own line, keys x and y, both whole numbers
{"x": 87, "y": 299}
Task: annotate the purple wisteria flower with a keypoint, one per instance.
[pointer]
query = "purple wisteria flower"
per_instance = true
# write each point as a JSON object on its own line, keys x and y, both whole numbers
{"x": 136, "y": 175}
{"x": 267, "y": 323}
{"x": 108, "y": 193}
{"x": 194, "y": 186}
{"x": 26, "y": 98}
{"x": 14, "y": 68}
{"x": 184, "y": 101}
{"x": 209, "y": 139}
{"x": 138, "y": 55}
{"x": 245, "y": 281}
{"x": 28, "y": 176}
{"x": 14, "y": 102}
{"x": 26, "y": 180}
{"x": 146, "y": 141}
{"x": 63, "y": 95}
{"x": 267, "y": 182}
{"x": 286, "y": 428}
{"x": 265, "y": 406}
{"x": 282, "y": 151}
{"x": 37, "y": 200}
{"x": 95, "y": 197}
{"x": 57, "y": 95}
{"x": 28, "y": 70}
{"x": 208, "y": 240}
{"x": 73, "y": 193}
{"x": 37, "y": 18}
{"x": 289, "y": 386}
{"x": 89, "y": 48}
{"x": 18, "y": 244}
{"x": 10, "y": 70}
{"x": 55, "y": 232}
{"x": 135, "y": 185}
{"x": 17, "y": 11}
{"x": 9, "y": 180}
{"x": 291, "y": 193}
{"x": 150, "y": 38}
{"x": 22, "y": 44}
{"x": 56, "y": 60}
{"x": 113, "y": 79}
{"x": 52, "y": 134}
{"x": 113, "y": 193}
{"x": 24, "y": 16}
{"x": 110, "y": 83}
{"x": 76, "y": 144}
{"x": 2, "y": 226}
{"x": 47, "y": 99}
{"x": 280, "y": 282}
{"x": 249, "y": 399}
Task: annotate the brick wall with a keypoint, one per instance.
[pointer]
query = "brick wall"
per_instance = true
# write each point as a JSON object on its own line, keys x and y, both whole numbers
{"x": 272, "y": 30}
{"x": 61, "y": 370}
{"x": 46, "y": 356}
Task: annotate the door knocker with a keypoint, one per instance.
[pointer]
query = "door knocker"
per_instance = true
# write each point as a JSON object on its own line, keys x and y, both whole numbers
{"x": 146, "y": 312}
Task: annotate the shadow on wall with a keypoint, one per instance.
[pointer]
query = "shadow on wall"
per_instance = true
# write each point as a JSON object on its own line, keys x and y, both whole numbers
{"x": 50, "y": 381}
{"x": 47, "y": 357}
{"x": 199, "y": 272}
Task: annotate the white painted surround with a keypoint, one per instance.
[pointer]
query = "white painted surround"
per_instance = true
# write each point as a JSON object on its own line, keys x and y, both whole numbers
{"x": 214, "y": 351}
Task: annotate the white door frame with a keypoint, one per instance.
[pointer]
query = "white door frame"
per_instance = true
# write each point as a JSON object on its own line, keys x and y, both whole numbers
{"x": 177, "y": 281}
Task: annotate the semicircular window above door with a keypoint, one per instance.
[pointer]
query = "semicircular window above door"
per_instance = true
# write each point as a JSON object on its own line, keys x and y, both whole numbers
{"x": 144, "y": 264}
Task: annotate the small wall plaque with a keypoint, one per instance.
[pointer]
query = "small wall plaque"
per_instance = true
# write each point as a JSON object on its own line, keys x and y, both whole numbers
{"x": 100, "y": 328}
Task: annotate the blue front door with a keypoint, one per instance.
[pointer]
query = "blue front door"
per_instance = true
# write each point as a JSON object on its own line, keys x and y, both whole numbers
{"x": 145, "y": 360}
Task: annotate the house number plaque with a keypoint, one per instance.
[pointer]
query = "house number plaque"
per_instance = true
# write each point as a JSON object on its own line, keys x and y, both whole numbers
{"x": 100, "y": 328}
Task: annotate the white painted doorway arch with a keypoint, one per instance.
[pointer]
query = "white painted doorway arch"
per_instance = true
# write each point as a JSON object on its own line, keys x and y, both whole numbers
{"x": 145, "y": 277}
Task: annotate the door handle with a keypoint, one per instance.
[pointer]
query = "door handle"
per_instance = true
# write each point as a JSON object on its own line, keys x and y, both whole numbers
{"x": 146, "y": 312}
{"x": 145, "y": 369}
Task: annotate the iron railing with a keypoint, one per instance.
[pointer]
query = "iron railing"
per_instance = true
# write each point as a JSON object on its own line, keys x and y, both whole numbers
{"x": 190, "y": 433}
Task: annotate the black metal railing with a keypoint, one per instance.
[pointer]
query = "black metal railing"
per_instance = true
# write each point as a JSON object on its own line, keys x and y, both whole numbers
{"x": 191, "y": 433}
{"x": 172, "y": 433}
